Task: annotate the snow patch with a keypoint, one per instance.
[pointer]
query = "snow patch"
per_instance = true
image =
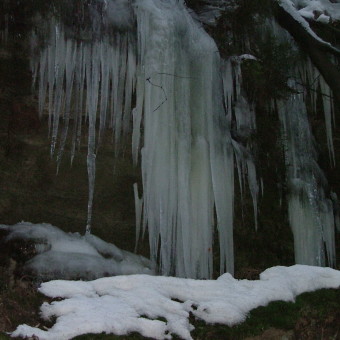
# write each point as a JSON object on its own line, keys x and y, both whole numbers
{"x": 126, "y": 304}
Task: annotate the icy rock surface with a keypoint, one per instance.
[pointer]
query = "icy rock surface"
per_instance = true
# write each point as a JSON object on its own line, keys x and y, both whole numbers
{"x": 125, "y": 304}
{"x": 71, "y": 256}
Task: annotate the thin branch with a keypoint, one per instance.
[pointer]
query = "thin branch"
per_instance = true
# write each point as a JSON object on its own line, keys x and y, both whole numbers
{"x": 161, "y": 87}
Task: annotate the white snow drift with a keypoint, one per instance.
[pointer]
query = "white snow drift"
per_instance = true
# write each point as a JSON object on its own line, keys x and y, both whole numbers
{"x": 125, "y": 304}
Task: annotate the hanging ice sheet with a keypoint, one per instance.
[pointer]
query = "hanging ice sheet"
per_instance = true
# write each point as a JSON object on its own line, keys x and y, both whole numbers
{"x": 187, "y": 160}
{"x": 186, "y": 153}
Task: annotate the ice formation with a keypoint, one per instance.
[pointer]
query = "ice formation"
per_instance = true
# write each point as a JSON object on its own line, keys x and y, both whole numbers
{"x": 187, "y": 159}
{"x": 72, "y": 256}
{"x": 151, "y": 65}
{"x": 126, "y": 304}
{"x": 310, "y": 207}
{"x": 242, "y": 113}
{"x": 172, "y": 66}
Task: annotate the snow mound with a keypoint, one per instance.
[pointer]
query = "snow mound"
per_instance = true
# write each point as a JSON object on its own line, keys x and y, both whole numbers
{"x": 71, "y": 255}
{"x": 125, "y": 304}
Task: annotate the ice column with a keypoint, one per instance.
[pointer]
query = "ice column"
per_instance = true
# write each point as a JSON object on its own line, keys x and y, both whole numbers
{"x": 187, "y": 157}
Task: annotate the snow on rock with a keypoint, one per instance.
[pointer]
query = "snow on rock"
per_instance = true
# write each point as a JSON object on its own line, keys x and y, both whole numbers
{"x": 125, "y": 304}
{"x": 71, "y": 255}
{"x": 314, "y": 9}
{"x": 301, "y": 10}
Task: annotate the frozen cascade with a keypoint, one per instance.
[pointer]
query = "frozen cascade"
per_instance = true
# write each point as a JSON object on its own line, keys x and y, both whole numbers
{"x": 165, "y": 78}
{"x": 172, "y": 67}
{"x": 241, "y": 116}
{"x": 310, "y": 211}
{"x": 187, "y": 160}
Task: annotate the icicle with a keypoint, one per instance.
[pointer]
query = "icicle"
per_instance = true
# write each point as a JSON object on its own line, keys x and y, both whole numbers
{"x": 228, "y": 86}
{"x": 92, "y": 82}
{"x": 104, "y": 89}
{"x": 119, "y": 95}
{"x": 138, "y": 211}
{"x": 327, "y": 107}
{"x": 315, "y": 84}
{"x": 336, "y": 210}
{"x": 129, "y": 85}
{"x": 236, "y": 105}
{"x": 137, "y": 117}
{"x": 69, "y": 74}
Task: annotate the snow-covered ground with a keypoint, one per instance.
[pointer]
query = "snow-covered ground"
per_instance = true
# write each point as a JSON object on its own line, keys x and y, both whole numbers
{"x": 125, "y": 304}
{"x": 135, "y": 303}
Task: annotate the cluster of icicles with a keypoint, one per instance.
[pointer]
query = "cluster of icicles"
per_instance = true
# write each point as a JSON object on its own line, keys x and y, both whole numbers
{"x": 181, "y": 118}
{"x": 312, "y": 215}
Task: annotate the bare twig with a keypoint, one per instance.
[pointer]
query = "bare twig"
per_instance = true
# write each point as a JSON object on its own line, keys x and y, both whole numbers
{"x": 161, "y": 87}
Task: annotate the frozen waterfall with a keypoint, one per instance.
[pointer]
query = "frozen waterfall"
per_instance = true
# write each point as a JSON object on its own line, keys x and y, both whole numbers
{"x": 172, "y": 66}
{"x": 310, "y": 211}
{"x": 149, "y": 71}
{"x": 187, "y": 160}
{"x": 310, "y": 207}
